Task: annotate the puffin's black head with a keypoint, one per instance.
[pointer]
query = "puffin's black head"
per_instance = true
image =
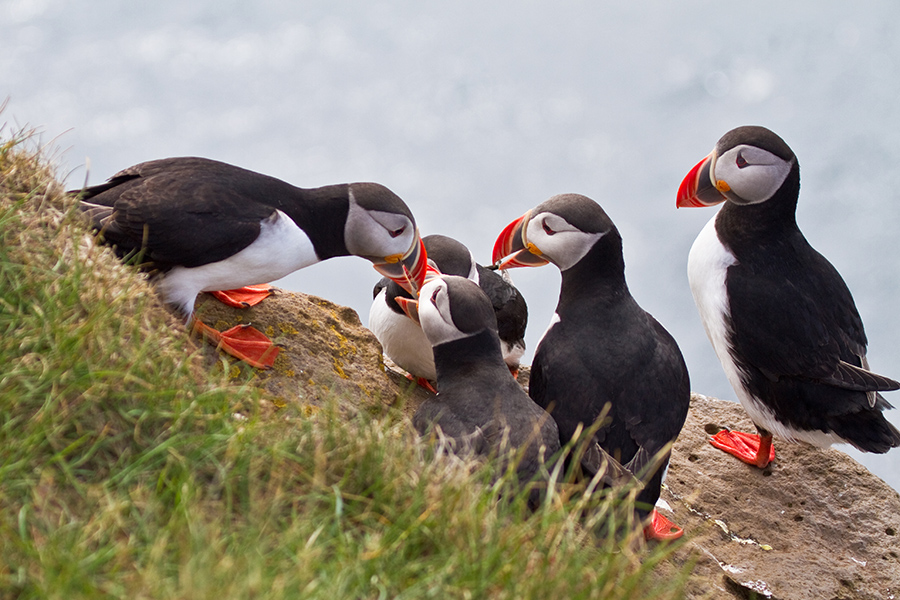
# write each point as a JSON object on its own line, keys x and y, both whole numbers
{"x": 376, "y": 197}
{"x": 449, "y": 256}
{"x": 381, "y": 228}
{"x": 561, "y": 230}
{"x": 748, "y": 166}
{"x": 452, "y": 308}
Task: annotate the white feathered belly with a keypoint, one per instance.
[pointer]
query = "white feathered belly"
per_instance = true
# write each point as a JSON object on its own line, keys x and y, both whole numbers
{"x": 280, "y": 249}
{"x": 402, "y": 340}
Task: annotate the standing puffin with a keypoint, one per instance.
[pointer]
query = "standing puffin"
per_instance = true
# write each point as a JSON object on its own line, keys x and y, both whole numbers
{"x": 393, "y": 320}
{"x": 203, "y": 225}
{"x": 602, "y": 352}
{"x": 778, "y": 314}
{"x": 479, "y": 404}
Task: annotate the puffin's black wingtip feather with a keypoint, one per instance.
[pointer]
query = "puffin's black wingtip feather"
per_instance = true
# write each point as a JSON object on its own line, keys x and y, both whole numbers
{"x": 855, "y": 378}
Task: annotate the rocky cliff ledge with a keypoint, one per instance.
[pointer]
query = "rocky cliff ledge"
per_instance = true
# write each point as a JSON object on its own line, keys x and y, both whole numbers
{"x": 813, "y": 525}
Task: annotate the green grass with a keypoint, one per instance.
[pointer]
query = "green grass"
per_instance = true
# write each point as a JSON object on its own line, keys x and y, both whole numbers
{"x": 129, "y": 471}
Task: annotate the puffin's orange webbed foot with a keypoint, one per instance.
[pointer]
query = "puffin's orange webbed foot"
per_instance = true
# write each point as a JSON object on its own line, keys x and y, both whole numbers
{"x": 421, "y": 381}
{"x": 751, "y": 448}
{"x": 249, "y": 295}
{"x": 242, "y": 342}
{"x": 660, "y": 528}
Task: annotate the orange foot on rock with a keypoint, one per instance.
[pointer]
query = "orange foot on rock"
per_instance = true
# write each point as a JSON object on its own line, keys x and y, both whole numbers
{"x": 245, "y": 297}
{"x": 660, "y": 528}
{"x": 421, "y": 381}
{"x": 751, "y": 448}
{"x": 243, "y": 342}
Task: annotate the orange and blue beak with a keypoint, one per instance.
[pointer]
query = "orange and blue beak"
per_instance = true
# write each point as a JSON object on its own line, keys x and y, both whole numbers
{"x": 512, "y": 248}
{"x": 698, "y": 189}
{"x": 407, "y": 270}
{"x": 409, "y": 306}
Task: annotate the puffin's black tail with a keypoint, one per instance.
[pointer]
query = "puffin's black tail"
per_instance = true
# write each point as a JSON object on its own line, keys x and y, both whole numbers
{"x": 97, "y": 206}
{"x": 97, "y": 214}
{"x": 92, "y": 192}
{"x": 102, "y": 219}
{"x": 868, "y": 430}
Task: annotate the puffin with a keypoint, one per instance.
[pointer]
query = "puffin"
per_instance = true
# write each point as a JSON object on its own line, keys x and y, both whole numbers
{"x": 479, "y": 405}
{"x": 603, "y": 358}
{"x": 394, "y": 321}
{"x": 200, "y": 225}
{"x": 778, "y": 314}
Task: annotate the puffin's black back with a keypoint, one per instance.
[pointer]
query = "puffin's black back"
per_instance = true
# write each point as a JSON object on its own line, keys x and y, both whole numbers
{"x": 509, "y": 305}
{"x": 192, "y": 211}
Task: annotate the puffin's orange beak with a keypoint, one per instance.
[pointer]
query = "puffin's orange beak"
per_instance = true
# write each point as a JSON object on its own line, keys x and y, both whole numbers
{"x": 512, "y": 248}
{"x": 408, "y": 270}
{"x": 409, "y": 306}
{"x": 697, "y": 189}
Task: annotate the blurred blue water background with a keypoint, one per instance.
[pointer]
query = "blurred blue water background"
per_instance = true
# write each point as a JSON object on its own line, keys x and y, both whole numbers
{"x": 474, "y": 112}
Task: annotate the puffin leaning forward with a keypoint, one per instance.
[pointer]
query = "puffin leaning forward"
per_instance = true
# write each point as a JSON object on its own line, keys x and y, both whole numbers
{"x": 479, "y": 405}
{"x": 202, "y": 226}
{"x": 603, "y": 356}
{"x": 394, "y": 321}
{"x": 778, "y": 314}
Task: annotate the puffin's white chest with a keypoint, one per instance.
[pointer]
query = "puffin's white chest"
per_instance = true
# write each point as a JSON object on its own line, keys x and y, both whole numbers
{"x": 553, "y": 321}
{"x": 401, "y": 339}
{"x": 280, "y": 249}
{"x": 708, "y": 264}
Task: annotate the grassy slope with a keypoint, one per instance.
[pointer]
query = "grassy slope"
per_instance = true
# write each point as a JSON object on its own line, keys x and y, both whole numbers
{"x": 127, "y": 471}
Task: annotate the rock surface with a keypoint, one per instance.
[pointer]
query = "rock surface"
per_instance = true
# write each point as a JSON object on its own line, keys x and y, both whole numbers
{"x": 813, "y": 525}
{"x": 325, "y": 352}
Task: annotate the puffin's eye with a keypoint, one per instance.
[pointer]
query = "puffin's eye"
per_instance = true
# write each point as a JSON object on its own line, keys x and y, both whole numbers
{"x": 434, "y": 295}
{"x": 741, "y": 162}
{"x": 397, "y": 232}
{"x": 547, "y": 229}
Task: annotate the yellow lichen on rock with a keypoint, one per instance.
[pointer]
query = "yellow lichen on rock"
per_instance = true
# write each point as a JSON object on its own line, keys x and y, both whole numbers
{"x": 288, "y": 328}
{"x": 339, "y": 369}
{"x": 344, "y": 347}
{"x": 282, "y": 365}
{"x": 325, "y": 350}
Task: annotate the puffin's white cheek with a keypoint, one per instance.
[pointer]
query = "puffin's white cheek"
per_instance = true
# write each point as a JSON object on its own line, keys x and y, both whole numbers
{"x": 362, "y": 233}
{"x": 566, "y": 248}
{"x": 429, "y": 318}
{"x": 435, "y": 320}
{"x": 762, "y": 176}
{"x": 403, "y": 243}
{"x": 436, "y": 329}
{"x": 759, "y": 183}
{"x": 365, "y": 235}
